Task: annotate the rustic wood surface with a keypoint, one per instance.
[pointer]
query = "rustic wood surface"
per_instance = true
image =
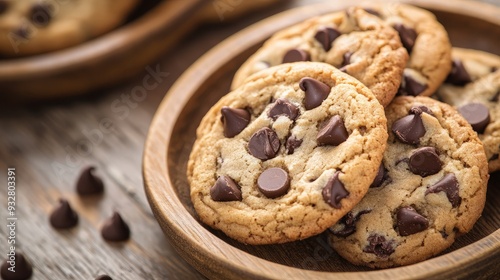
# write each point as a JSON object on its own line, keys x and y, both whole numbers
{"x": 49, "y": 143}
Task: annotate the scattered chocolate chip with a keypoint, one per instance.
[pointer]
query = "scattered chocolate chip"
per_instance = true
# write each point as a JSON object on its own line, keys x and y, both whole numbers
{"x": 225, "y": 189}
{"x": 22, "y": 270}
{"x": 315, "y": 91}
{"x": 283, "y": 107}
{"x": 295, "y": 55}
{"x": 458, "y": 75}
{"x": 291, "y": 144}
{"x": 493, "y": 69}
{"x": 493, "y": 157}
{"x": 409, "y": 221}
{"x": 334, "y": 191}
{"x": 63, "y": 216}
{"x": 3, "y": 6}
{"x": 348, "y": 223}
{"x": 88, "y": 183}
{"x": 410, "y": 128}
{"x": 443, "y": 233}
{"x": 382, "y": 176}
{"x": 379, "y": 246}
{"x": 408, "y": 36}
{"x": 477, "y": 115}
{"x": 495, "y": 97}
{"x": 333, "y": 133}
{"x": 449, "y": 185}
{"x": 346, "y": 61}
{"x": 273, "y": 182}
{"x": 234, "y": 120}
{"x": 103, "y": 277}
{"x": 326, "y": 36}
{"x": 115, "y": 229}
{"x": 264, "y": 144}
{"x": 41, "y": 14}
{"x": 410, "y": 86}
{"x": 425, "y": 161}
{"x": 372, "y": 11}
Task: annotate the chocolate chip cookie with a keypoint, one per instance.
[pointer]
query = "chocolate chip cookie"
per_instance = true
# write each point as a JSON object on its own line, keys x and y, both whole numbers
{"x": 355, "y": 41}
{"x": 473, "y": 87}
{"x": 430, "y": 188}
{"x": 37, "y": 26}
{"x": 287, "y": 154}
{"x": 426, "y": 41}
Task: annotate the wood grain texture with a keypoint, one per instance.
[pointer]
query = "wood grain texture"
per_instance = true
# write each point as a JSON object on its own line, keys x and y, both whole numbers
{"x": 172, "y": 134}
{"x": 35, "y": 136}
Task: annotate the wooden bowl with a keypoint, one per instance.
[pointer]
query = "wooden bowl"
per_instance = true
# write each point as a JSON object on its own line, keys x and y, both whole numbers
{"x": 172, "y": 133}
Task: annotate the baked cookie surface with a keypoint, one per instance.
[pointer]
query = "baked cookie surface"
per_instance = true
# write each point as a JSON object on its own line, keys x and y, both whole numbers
{"x": 430, "y": 189}
{"x": 426, "y": 41}
{"x": 357, "y": 42}
{"x": 287, "y": 154}
{"x": 30, "y": 27}
{"x": 473, "y": 87}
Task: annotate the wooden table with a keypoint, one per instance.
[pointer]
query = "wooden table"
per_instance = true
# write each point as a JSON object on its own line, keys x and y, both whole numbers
{"x": 48, "y": 145}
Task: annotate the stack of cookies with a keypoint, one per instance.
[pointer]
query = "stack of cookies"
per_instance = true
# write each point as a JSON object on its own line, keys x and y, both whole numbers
{"x": 330, "y": 128}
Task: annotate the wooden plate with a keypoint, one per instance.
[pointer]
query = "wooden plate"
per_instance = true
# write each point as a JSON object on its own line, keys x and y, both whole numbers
{"x": 171, "y": 136}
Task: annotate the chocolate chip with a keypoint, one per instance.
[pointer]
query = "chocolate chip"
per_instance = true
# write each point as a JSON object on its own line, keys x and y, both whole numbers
{"x": 495, "y": 97}
{"x": 348, "y": 223}
{"x": 225, "y": 189}
{"x": 477, "y": 115}
{"x": 425, "y": 110}
{"x": 409, "y": 221}
{"x": 333, "y": 133}
{"x": 443, "y": 233}
{"x": 326, "y": 36}
{"x": 295, "y": 55}
{"x": 410, "y": 128}
{"x": 378, "y": 245}
{"x": 493, "y": 69}
{"x": 372, "y": 11}
{"x": 407, "y": 34}
{"x": 382, "y": 176}
{"x": 103, "y": 277}
{"x": 234, "y": 120}
{"x": 283, "y": 107}
{"x": 458, "y": 75}
{"x": 315, "y": 92}
{"x": 291, "y": 144}
{"x": 264, "y": 144}
{"x": 449, "y": 185}
{"x": 493, "y": 157}
{"x": 23, "y": 32}
{"x": 334, "y": 191}
{"x": 115, "y": 229}
{"x": 63, "y": 216}
{"x": 22, "y": 270}
{"x": 273, "y": 182}
{"x": 3, "y": 6}
{"x": 41, "y": 14}
{"x": 425, "y": 161}
{"x": 410, "y": 86}
{"x": 346, "y": 61}
{"x": 88, "y": 183}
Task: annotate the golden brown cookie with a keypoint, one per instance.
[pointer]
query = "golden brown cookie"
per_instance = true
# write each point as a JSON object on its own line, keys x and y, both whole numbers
{"x": 30, "y": 27}
{"x": 426, "y": 41}
{"x": 431, "y": 188}
{"x": 357, "y": 42}
{"x": 473, "y": 87}
{"x": 287, "y": 154}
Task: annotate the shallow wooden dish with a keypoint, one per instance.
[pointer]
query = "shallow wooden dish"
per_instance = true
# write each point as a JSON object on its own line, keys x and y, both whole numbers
{"x": 475, "y": 255}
